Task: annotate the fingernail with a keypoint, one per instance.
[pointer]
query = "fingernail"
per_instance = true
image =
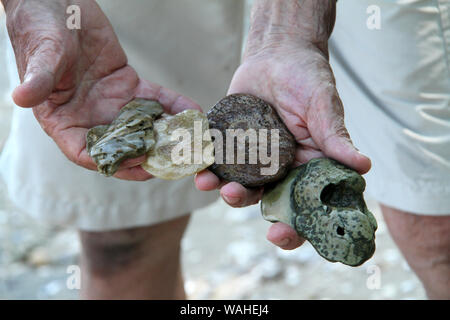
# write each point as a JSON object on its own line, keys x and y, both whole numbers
{"x": 284, "y": 242}
{"x": 362, "y": 154}
{"x": 232, "y": 200}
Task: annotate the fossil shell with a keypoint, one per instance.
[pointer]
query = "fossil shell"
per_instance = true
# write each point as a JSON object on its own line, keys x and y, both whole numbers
{"x": 130, "y": 135}
{"x": 243, "y": 111}
{"x": 183, "y": 146}
{"x": 323, "y": 201}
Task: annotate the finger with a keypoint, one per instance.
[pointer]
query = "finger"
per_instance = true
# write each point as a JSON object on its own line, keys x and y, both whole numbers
{"x": 283, "y": 236}
{"x": 130, "y": 163}
{"x": 34, "y": 90}
{"x": 133, "y": 174}
{"x": 43, "y": 69}
{"x": 130, "y": 169}
{"x": 326, "y": 125}
{"x": 72, "y": 141}
{"x": 206, "y": 181}
{"x": 304, "y": 153}
{"x": 172, "y": 101}
{"x": 236, "y": 195}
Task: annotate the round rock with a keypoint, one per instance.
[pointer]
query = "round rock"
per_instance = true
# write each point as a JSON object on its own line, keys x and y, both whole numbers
{"x": 250, "y": 157}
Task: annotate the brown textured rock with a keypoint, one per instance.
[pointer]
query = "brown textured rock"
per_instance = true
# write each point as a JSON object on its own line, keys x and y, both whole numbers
{"x": 243, "y": 111}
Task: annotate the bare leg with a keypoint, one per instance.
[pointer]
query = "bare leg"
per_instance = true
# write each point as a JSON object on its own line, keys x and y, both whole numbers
{"x": 137, "y": 263}
{"x": 425, "y": 243}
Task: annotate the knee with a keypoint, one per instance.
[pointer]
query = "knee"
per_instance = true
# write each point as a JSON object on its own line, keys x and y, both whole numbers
{"x": 110, "y": 252}
{"x": 425, "y": 243}
{"x": 420, "y": 235}
{"x": 435, "y": 274}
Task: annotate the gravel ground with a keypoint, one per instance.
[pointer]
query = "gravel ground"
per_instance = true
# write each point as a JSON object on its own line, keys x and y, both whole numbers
{"x": 225, "y": 256}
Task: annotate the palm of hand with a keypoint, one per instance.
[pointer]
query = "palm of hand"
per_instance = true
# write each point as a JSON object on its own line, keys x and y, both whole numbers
{"x": 299, "y": 83}
{"x": 89, "y": 94}
{"x": 301, "y": 88}
{"x": 77, "y": 79}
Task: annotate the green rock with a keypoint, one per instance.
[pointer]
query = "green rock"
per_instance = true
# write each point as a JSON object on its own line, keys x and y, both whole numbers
{"x": 323, "y": 201}
{"x": 130, "y": 135}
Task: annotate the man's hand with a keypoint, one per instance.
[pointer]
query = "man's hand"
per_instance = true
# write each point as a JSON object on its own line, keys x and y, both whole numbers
{"x": 77, "y": 79}
{"x": 286, "y": 64}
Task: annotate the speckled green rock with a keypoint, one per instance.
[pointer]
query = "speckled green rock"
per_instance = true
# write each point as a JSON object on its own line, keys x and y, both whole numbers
{"x": 130, "y": 135}
{"x": 323, "y": 201}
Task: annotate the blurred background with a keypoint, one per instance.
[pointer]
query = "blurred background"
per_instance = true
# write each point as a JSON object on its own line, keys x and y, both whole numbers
{"x": 225, "y": 256}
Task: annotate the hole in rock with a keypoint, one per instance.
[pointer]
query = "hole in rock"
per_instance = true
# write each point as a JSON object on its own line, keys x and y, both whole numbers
{"x": 327, "y": 193}
{"x": 340, "y": 231}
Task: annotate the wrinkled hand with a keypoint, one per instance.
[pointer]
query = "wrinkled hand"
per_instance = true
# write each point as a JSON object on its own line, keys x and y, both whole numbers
{"x": 77, "y": 79}
{"x": 297, "y": 80}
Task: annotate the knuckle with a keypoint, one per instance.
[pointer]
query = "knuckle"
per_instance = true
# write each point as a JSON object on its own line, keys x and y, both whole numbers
{"x": 340, "y": 130}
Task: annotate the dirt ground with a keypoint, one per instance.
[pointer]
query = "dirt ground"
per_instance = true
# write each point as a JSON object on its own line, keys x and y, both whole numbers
{"x": 225, "y": 256}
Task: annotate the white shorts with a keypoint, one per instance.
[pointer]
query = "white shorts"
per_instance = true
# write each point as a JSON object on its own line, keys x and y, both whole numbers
{"x": 394, "y": 83}
{"x": 395, "y": 86}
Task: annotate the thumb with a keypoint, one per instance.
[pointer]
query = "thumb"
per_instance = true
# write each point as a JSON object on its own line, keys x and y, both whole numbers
{"x": 39, "y": 79}
{"x": 327, "y": 128}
